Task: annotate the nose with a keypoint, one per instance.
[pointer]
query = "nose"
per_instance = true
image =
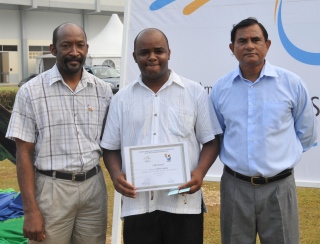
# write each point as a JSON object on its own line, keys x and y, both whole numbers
{"x": 249, "y": 45}
{"x": 74, "y": 50}
{"x": 152, "y": 56}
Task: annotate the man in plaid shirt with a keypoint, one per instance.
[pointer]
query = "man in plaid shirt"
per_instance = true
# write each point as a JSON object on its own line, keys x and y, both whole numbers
{"x": 57, "y": 123}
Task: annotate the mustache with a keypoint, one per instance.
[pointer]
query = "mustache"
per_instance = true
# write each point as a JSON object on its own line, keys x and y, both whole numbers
{"x": 73, "y": 59}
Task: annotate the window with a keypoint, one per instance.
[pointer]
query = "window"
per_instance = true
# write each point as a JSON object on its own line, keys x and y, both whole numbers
{"x": 9, "y": 48}
{"x": 35, "y": 51}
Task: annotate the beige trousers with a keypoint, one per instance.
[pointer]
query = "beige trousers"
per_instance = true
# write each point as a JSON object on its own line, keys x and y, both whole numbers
{"x": 73, "y": 212}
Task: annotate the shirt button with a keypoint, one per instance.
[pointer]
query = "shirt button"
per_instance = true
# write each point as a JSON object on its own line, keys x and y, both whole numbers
{"x": 155, "y": 114}
{"x": 154, "y": 134}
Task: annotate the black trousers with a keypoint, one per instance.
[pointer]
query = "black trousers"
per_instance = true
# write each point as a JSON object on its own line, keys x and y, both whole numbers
{"x": 161, "y": 227}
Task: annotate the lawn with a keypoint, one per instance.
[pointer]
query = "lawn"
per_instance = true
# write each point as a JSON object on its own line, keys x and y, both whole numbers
{"x": 309, "y": 206}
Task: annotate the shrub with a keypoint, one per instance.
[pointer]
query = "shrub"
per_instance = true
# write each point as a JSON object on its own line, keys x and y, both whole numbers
{"x": 7, "y": 96}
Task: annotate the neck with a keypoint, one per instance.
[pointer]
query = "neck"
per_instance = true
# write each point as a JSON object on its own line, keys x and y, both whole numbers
{"x": 156, "y": 84}
{"x": 251, "y": 73}
{"x": 72, "y": 80}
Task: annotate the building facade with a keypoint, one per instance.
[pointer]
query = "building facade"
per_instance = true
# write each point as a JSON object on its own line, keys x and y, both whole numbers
{"x": 27, "y": 26}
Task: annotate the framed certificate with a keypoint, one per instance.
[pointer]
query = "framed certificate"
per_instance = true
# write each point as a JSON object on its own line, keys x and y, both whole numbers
{"x": 157, "y": 167}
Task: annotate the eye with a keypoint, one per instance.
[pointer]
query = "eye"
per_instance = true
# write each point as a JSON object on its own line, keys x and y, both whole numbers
{"x": 143, "y": 53}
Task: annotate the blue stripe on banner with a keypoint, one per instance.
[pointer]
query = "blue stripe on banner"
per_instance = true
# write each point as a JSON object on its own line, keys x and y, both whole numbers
{"x": 158, "y": 4}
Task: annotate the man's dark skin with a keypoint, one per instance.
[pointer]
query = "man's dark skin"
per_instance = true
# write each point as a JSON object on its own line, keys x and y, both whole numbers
{"x": 151, "y": 55}
{"x": 70, "y": 51}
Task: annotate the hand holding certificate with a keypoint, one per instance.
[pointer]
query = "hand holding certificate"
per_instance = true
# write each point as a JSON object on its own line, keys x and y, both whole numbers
{"x": 157, "y": 167}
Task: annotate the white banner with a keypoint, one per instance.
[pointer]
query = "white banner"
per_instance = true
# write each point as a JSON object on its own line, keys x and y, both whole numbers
{"x": 199, "y": 35}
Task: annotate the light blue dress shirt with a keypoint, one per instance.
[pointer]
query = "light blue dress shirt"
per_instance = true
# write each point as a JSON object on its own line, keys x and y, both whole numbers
{"x": 267, "y": 124}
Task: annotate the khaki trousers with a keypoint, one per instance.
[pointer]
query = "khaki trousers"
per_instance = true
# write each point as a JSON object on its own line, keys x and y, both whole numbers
{"x": 73, "y": 212}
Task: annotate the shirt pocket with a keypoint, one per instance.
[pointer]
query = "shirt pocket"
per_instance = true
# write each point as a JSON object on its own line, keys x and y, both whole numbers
{"x": 180, "y": 121}
{"x": 275, "y": 114}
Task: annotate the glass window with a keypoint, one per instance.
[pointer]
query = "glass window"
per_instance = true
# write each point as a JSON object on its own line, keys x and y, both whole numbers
{"x": 35, "y": 48}
{"x": 10, "y": 48}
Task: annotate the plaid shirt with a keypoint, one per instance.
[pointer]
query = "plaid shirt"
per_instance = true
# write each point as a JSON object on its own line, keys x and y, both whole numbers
{"x": 65, "y": 125}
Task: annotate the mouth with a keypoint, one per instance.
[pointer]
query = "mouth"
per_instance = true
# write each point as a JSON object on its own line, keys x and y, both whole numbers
{"x": 73, "y": 62}
{"x": 152, "y": 65}
{"x": 249, "y": 54}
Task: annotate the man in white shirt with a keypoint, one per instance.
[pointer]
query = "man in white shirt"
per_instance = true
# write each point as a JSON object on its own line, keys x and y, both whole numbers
{"x": 160, "y": 107}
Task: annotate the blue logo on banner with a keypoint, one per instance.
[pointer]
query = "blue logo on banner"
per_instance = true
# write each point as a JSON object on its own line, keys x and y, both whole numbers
{"x": 158, "y": 4}
{"x": 295, "y": 52}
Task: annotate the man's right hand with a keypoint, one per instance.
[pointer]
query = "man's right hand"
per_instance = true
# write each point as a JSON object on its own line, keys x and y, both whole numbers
{"x": 122, "y": 186}
{"x": 33, "y": 227}
{"x": 113, "y": 162}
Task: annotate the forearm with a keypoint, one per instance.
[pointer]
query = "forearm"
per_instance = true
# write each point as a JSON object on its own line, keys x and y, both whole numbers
{"x": 25, "y": 175}
{"x": 208, "y": 155}
{"x": 113, "y": 162}
{"x": 33, "y": 227}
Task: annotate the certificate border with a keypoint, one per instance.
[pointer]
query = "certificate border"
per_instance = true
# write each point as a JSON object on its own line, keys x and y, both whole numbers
{"x": 181, "y": 146}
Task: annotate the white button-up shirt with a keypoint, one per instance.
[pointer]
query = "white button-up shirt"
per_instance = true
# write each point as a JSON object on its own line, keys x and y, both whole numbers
{"x": 180, "y": 111}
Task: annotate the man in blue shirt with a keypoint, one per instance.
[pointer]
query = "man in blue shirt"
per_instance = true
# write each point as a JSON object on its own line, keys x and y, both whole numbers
{"x": 268, "y": 122}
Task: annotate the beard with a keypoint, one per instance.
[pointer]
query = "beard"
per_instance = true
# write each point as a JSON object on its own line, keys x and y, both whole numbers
{"x": 73, "y": 69}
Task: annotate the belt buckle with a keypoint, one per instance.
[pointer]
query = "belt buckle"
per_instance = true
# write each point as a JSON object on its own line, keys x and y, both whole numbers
{"x": 257, "y": 177}
{"x": 75, "y": 174}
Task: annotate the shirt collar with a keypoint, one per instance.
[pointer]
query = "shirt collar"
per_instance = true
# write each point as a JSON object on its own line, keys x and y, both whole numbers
{"x": 267, "y": 70}
{"x": 173, "y": 78}
{"x": 55, "y": 76}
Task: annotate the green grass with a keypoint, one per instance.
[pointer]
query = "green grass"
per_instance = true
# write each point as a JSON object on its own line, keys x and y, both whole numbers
{"x": 309, "y": 206}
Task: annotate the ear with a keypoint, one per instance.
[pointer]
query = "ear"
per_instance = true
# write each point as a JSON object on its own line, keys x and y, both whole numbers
{"x": 231, "y": 47}
{"x": 268, "y": 43}
{"x": 53, "y": 50}
{"x": 169, "y": 54}
{"x": 134, "y": 57}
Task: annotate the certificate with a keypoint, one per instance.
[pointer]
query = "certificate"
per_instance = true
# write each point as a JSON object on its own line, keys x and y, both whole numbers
{"x": 157, "y": 167}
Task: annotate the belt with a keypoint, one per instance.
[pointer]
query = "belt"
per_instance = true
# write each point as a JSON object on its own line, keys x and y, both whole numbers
{"x": 76, "y": 176}
{"x": 259, "y": 180}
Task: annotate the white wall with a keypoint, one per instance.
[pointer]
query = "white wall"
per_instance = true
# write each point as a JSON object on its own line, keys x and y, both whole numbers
{"x": 39, "y": 26}
{"x": 199, "y": 45}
